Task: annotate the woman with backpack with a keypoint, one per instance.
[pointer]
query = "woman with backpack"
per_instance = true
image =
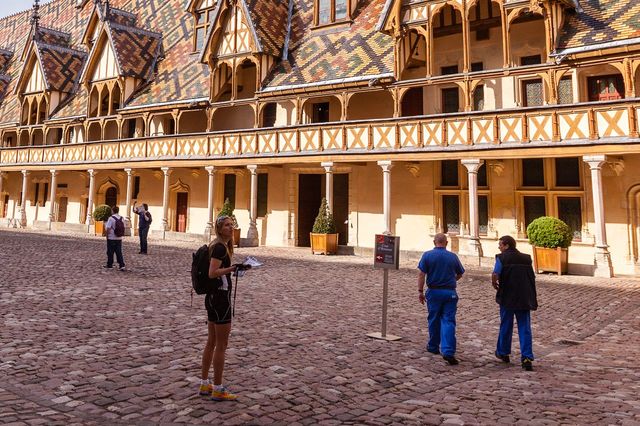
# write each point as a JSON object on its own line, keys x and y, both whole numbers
{"x": 219, "y": 311}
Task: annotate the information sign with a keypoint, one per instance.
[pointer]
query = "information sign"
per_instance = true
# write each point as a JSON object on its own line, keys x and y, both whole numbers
{"x": 387, "y": 252}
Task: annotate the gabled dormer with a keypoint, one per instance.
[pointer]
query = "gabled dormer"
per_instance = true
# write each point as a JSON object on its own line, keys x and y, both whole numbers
{"x": 245, "y": 38}
{"x": 123, "y": 57}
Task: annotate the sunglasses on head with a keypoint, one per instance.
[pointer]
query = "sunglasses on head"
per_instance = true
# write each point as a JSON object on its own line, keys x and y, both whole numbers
{"x": 221, "y": 219}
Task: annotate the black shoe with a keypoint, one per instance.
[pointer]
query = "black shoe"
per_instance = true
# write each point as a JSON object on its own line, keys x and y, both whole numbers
{"x": 450, "y": 359}
{"x": 107, "y": 267}
{"x": 121, "y": 268}
{"x": 435, "y": 352}
{"x": 527, "y": 364}
{"x": 503, "y": 358}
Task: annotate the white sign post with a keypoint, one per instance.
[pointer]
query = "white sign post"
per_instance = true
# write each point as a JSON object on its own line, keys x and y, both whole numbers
{"x": 386, "y": 256}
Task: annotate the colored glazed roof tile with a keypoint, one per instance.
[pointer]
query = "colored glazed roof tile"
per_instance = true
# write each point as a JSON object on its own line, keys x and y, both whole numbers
{"x": 137, "y": 50}
{"x": 5, "y": 57}
{"x": 601, "y": 21}
{"x": 269, "y": 18}
{"x": 61, "y": 66}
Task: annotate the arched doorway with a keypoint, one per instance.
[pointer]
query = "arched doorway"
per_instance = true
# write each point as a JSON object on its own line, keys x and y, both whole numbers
{"x": 111, "y": 196}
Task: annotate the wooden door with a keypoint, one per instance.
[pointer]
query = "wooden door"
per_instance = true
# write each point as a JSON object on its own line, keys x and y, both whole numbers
{"x": 181, "y": 211}
{"x": 606, "y": 88}
{"x": 62, "y": 209}
{"x": 309, "y": 199}
{"x": 111, "y": 196}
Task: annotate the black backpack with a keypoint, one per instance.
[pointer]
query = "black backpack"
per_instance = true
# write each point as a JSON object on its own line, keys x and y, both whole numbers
{"x": 118, "y": 230}
{"x": 200, "y": 280}
{"x": 147, "y": 217}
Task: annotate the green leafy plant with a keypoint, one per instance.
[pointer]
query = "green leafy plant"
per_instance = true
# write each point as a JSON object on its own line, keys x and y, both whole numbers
{"x": 324, "y": 221}
{"x": 227, "y": 210}
{"x": 549, "y": 232}
{"x": 102, "y": 213}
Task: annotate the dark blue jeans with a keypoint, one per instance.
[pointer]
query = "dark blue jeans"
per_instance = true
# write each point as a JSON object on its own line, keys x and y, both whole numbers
{"x": 506, "y": 332}
{"x": 442, "y": 305}
{"x": 114, "y": 246}
{"x": 142, "y": 233}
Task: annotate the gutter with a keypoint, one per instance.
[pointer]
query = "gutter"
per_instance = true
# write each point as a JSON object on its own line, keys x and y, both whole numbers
{"x": 561, "y": 54}
{"x": 327, "y": 83}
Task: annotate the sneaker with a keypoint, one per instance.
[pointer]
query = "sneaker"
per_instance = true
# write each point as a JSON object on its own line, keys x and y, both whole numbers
{"x": 121, "y": 268}
{"x": 107, "y": 267}
{"x": 503, "y": 358}
{"x": 205, "y": 389}
{"x": 223, "y": 395}
{"x": 450, "y": 359}
{"x": 527, "y": 364}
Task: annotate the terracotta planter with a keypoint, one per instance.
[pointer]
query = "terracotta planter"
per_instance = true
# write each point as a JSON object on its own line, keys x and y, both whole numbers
{"x": 100, "y": 228}
{"x": 550, "y": 260}
{"x": 236, "y": 237}
{"x": 324, "y": 243}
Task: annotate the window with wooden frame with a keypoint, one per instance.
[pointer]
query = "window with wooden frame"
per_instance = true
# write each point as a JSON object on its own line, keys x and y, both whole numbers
{"x": 551, "y": 187}
{"x": 202, "y": 19}
{"x": 332, "y": 11}
{"x": 532, "y": 93}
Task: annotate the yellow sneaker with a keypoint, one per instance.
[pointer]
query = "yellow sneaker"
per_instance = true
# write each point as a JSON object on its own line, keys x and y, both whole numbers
{"x": 223, "y": 395}
{"x": 206, "y": 389}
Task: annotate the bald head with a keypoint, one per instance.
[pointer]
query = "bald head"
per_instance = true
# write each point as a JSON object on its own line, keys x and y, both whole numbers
{"x": 440, "y": 240}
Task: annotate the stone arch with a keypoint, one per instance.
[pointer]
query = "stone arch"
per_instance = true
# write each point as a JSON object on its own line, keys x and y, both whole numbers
{"x": 179, "y": 220}
{"x": 106, "y": 190}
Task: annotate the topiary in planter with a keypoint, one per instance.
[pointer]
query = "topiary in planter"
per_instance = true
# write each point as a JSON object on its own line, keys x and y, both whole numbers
{"x": 549, "y": 232}
{"x": 102, "y": 213}
{"x": 227, "y": 210}
{"x": 324, "y": 221}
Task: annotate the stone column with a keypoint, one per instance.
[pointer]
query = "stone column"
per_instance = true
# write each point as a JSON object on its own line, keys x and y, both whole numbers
{"x": 602, "y": 257}
{"x": 52, "y": 197}
{"x": 252, "y": 235}
{"x": 2, "y": 176}
{"x": 208, "y": 231}
{"x": 165, "y": 200}
{"x": 328, "y": 174}
{"x": 473, "y": 165}
{"x": 127, "y": 215}
{"x": 92, "y": 185}
{"x": 386, "y": 193}
{"x": 23, "y": 201}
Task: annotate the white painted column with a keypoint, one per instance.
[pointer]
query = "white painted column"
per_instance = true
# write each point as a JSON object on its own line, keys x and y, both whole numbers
{"x": 252, "y": 235}
{"x": 208, "y": 231}
{"x": 165, "y": 200}
{"x": 90, "y": 201}
{"x": 602, "y": 257}
{"x": 23, "y": 201}
{"x": 52, "y": 197}
{"x": 328, "y": 175}
{"x": 386, "y": 194}
{"x": 127, "y": 215}
{"x": 472, "y": 166}
{"x": 2, "y": 176}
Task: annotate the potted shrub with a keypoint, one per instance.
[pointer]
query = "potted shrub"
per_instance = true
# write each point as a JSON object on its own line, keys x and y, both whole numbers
{"x": 101, "y": 214}
{"x": 227, "y": 210}
{"x": 550, "y": 238}
{"x": 324, "y": 238}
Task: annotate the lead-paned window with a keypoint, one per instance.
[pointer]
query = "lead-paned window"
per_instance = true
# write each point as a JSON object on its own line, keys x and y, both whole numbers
{"x": 532, "y": 93}
{"x": 570, "y": 212}
{"x": 565, "y": 91}
{"x": 451, "y": 213}
{"x": 449, "y": 173}
{"x": 568, "y": 172}
{"x": 263, "y": 187}
{"x": 534, "y": 207}
{"x": 533, "y": 172}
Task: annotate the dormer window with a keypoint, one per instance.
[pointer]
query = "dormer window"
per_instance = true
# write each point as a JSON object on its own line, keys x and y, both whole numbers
{"x": 203, "y": 16}
{"x": 333, "y": 11}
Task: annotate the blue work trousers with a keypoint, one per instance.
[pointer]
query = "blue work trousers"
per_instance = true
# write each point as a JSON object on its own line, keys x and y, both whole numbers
{"x": 442, "y": 305}
{"x": 506, "y": 332}
{"x": 114, "y": 247}
{"x": 142, "y": 233}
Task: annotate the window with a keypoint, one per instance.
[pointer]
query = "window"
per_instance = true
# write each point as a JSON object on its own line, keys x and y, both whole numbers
{"x": 450, "y": 100}
{"x": 477, "y": 66}
{"x": 320, "y": 112}
{"x": 534, "y": 207}
{"x": 329, "y": 11}
{"x": 230, "y": 189}
{"x": 532, "y": 93}
{"x": 263, "y": 187}
{"x": 478, "y": 98}
{"x": 567, "y": 172}
{"x": 565, "y": 91}
{"x": 533, "y": 172}
{"x": 605, "y": 88}
{"x": 451, "y": 214}
{"x": 449, "y": 173}
{"x": 570, "y": 212}
{"x": 530, "y": 60}
{"x": 202, "y": 19}
{"x": 482, "y": 34}
{"x": 451, "y": 69}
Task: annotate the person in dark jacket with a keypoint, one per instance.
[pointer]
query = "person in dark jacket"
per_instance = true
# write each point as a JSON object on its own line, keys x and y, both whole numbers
{"x": 515, "y": 282}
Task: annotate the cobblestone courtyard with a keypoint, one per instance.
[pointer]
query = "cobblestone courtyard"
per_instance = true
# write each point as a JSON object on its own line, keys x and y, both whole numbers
{"x": 84, "y": 345}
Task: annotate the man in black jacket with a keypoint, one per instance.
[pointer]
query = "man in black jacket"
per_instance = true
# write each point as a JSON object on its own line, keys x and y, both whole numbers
{"x": 515, "y": 282}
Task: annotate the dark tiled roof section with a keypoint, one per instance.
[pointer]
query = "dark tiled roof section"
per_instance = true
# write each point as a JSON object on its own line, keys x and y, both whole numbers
{"x": 270, "y": 19}
{"x": 54, "y": 37}
{"x": 601, "y": 21}
{"x": 4, "y": 83}
{"x": 62, "y": 67}
{"x": 137, "y": 50}
{"x": 5, "y": 57}
{"x": 335, "y": 53}
{"x": 122, "y": 17}
{"x": 73, "y": 106}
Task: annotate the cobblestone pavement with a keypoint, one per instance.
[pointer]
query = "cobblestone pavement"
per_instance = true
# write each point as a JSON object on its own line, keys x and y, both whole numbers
{"x": 83, "y": 345}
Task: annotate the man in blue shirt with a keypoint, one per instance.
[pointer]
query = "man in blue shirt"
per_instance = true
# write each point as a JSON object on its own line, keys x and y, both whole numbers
{"x": 441, "y": 269}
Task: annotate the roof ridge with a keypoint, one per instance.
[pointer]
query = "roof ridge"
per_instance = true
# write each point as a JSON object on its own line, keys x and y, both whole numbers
{"x": 60, "y": 48}
{"x": 52, "y": 30}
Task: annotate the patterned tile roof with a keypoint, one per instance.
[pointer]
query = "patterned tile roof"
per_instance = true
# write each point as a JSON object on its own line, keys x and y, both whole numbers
{"x": 61, "y": 66}
{"x": 136, "y": 50}
{"x": 335, "y": 53}
{"x": 5, "y": 57}
{"x": 269, "y": 18}
{"x": 601, "y": 21}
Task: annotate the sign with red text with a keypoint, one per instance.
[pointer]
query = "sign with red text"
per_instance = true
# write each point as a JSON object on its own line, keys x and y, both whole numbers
{"x": 386, "y": 252}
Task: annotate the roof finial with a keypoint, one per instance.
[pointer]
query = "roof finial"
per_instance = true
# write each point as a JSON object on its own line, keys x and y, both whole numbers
{"x": 35, "y": 18}
{"x": 106, "y": 9}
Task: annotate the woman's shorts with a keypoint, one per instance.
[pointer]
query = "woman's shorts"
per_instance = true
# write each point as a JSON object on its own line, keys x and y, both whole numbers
{"x": 218, "y": 306}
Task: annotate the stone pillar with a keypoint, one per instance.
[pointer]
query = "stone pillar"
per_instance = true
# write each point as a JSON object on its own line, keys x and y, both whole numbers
{"x": 208, "y": 231}
{"x": 602, "y": 257}
{"x": 474, "y": 246}
{"x": 90, "y": 207}
{"x": 252, "y": 235}
{"x": 386, "y": 193}
{"x": 165, "y": 200}
{"x": 23, "y": 201}
{"x": 127, "y": 215}
{"x": 328, "y": 174}
{"x": 2, "y": 176}
{"x": 52, "y": 197}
